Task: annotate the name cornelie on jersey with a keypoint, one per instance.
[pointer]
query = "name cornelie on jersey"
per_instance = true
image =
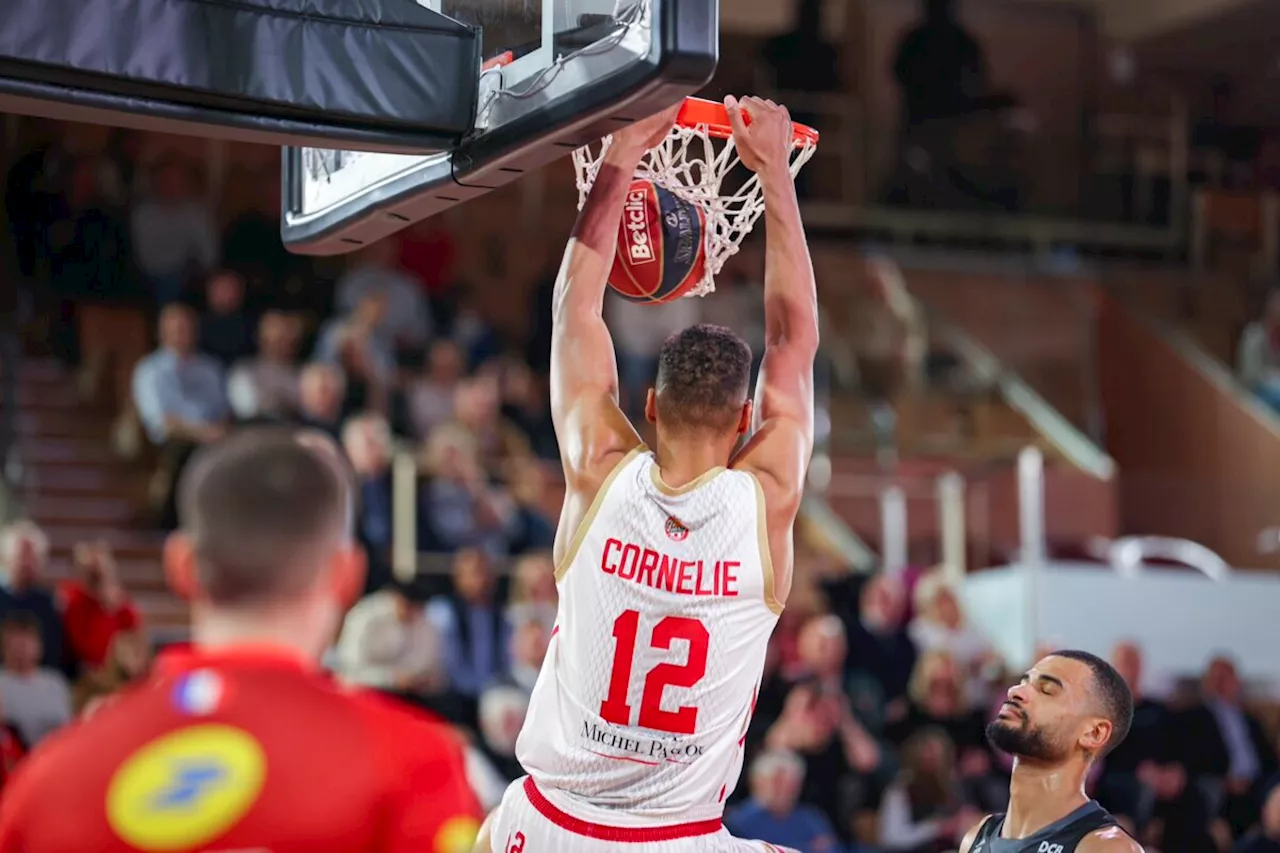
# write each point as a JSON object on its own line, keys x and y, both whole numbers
{"x": 648, "y": 749}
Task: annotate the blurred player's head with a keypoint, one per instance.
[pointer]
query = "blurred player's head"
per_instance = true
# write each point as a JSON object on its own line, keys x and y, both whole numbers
{"x": 1070, "y": 705}
{"x": 266, "y": 534}
{"x": 703, "y": 385}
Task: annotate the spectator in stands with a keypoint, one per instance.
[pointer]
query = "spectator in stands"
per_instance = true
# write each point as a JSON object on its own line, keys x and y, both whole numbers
{"x": 1266, "y": 838}
{"x": 881, "y": 653}
{"x": 226, "y": 329}
{"x": 388, "y": 643}
{"x": 526, "y": 405}
{"x": 460, "y": 508}
{"x": 822, "y": 651}
{"x": 924, "y": 811}
{"x": 804, "y": 62}
{"x": 321, "y": 389}
{"x": 1226, "y": 748}
{"x": 477, "y": 407}
{"x": 773, "y": 813}
{"x": 530, "y": 529}
{"x": 530, "y": 634}
{"x": 25, "y": 554}
{"x": 367, "y": 441}
{"x": 1139, "y": 770}
{"x": 820, "y": 726}
{"x": 474, "y": 631}
{"x": 939, "y": 624}
{"x": 88, "y": 255}
{"x": 533, "y": 586}
{"x": 502, "y": 712}
{"x": 1258, "y": 357}
{"x": 358, "y": 345}
{"x": 96, "y": 609}
{"x": 428, "y": 253}
{"x": 430, "y": 396}
{"x": 374, "y": 272}
{"x": 36, "y": 698}
{"x": 267, "y": 385}
{"x": 638, "y": 333}
{"x": 937, "y": 698}
{"x": 174, "y": 236}
{"x": 181, "y": 399}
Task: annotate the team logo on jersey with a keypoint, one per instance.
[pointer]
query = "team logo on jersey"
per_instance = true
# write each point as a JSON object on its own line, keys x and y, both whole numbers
{"x": 199, "y": 693}
{"x": 676, "y": 531}
{"x": 186, "y": 789}
{"x": 457, "y": 835}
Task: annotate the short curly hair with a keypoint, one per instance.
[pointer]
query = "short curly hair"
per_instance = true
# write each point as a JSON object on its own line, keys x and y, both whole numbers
{"x": 704, "y": 374}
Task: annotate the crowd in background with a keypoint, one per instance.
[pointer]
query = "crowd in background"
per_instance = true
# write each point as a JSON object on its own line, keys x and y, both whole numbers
{"x": 868, "y": 731}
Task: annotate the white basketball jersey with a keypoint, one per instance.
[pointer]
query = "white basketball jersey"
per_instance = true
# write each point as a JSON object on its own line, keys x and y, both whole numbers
{"x": 666, "y": 606}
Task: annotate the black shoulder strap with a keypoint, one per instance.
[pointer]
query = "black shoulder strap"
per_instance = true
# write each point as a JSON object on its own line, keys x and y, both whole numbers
{"x": 1085, "y": 825}
{"x": 988, "y": 830}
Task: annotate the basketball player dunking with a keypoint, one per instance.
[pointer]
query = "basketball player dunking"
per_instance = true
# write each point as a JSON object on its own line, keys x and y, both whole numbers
{"x": 673, "y": 563}
{"x": 1069, "y": 710}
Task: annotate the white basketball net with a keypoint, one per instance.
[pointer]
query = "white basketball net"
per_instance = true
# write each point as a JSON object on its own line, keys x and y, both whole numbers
{"x": 688, "y": 164}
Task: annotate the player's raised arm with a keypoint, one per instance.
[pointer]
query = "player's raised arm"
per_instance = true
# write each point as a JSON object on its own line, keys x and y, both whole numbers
{"x": 592, "y": 430}
{"x": 782, "y": 442}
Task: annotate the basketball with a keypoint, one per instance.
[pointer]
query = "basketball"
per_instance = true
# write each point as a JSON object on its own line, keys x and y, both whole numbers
{"x": 662, "y": 251}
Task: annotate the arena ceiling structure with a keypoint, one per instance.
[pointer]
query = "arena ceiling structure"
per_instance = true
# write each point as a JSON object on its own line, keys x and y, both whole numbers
{"x": 379, "y": 75}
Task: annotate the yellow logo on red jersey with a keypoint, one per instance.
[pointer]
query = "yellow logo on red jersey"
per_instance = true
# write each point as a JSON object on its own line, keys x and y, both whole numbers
{"x": 457, "y": 835}
{"x": 187, "y": 788}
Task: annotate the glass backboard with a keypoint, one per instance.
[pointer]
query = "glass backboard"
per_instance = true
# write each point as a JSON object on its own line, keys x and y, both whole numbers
{"x": 555, "y": 75}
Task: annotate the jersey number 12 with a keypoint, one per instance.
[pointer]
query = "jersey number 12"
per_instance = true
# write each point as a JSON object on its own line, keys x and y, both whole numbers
{"x": 681, "y": 721}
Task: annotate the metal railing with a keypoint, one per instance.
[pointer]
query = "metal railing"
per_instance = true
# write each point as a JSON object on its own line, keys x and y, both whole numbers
{"x": 1142, "y": 155}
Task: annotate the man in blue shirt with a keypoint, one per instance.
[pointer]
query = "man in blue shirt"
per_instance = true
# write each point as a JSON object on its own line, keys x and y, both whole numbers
{"x": 181, "y": 399}
{"x": 773, "y": 815}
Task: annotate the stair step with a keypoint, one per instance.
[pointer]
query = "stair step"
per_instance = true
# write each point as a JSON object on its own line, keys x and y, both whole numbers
{"x": 75, "y": 479}
{"x": 163, "y": 610}
{"x": 54, "y": 397}
{"x": 42, "y": 370}
{"x": 77, "y": 451}
{"x": 138, "y": 574}
{"x": 58, "y": 424}
{"x": 125, "y": 543}
{"x": 45, "y": 508}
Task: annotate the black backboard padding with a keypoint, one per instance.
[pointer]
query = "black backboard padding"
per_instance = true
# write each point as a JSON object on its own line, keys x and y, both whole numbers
{"x": 682, "y": 59}
{"x": 372, "y": 74}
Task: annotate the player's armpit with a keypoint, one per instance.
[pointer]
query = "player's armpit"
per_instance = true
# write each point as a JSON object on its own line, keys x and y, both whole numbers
{"x": 966, "y": 844}
{"x": 1113, "y": 839}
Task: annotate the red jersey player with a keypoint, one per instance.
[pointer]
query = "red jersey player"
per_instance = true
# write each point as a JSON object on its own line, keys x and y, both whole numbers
{"x": 240, "y": 743}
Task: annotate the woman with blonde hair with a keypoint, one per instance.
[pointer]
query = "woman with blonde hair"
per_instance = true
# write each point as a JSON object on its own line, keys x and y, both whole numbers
{"x": 923, "y": 810}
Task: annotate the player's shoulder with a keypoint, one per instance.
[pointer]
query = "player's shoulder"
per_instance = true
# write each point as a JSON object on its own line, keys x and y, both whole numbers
{"x": 970, "y": 837}
{"x": 389, "y": 718}
{"x": 1111, "y": 839}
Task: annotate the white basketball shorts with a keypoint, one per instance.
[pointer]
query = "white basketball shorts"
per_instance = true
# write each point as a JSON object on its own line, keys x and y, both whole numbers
{"x": 527, "y": 822}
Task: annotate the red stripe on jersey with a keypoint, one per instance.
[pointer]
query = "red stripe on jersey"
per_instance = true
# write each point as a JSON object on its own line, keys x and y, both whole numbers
{"x": 619, "y": 834}
{"x": 624, "y": 758}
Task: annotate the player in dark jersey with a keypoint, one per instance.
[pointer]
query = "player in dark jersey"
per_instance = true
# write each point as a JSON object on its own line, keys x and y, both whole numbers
{"x": 1066, "y": 712}
{"x": 240, "y": 743}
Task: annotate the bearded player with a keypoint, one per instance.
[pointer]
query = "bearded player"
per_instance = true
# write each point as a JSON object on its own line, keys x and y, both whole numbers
{"x": 673, "y": 563}
{"x": 1068, "y": 711}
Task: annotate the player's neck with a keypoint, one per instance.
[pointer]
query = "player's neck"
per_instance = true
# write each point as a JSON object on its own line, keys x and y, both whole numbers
{"x": 1039, "y": 794}
{"x": 684, "y": 459}
{"x": 214, "y": 629}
